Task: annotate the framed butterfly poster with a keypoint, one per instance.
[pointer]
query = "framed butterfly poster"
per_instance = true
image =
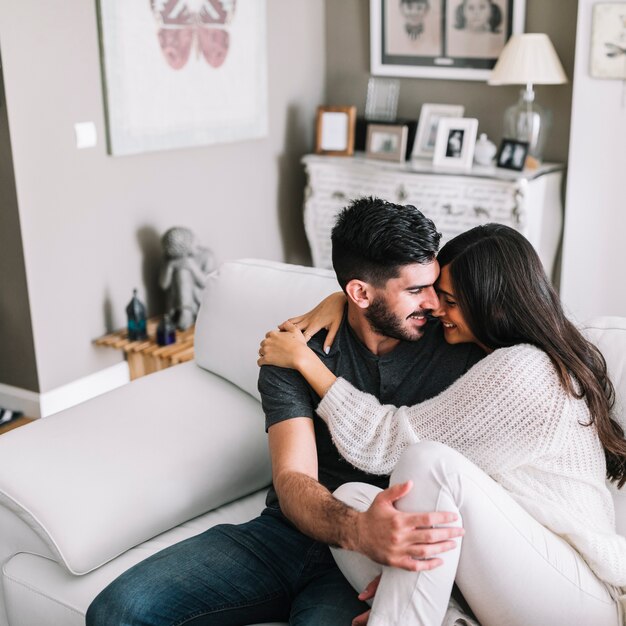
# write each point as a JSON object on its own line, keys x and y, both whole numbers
{"x": 181, "y": 73}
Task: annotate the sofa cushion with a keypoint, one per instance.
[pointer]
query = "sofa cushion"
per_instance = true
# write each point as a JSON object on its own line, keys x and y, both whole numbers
{"x": 107, "y": 475}
{"x": 244, "y": 299}
{"x": 40, "y": 591}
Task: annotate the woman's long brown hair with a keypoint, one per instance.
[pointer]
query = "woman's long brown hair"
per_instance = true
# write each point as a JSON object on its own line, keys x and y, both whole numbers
{"x": 507, "y": 299}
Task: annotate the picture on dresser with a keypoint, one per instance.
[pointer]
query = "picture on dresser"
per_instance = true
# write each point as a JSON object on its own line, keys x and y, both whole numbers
{"x": 512, "y": 154}
{"x": 430, "y": 114}
{"x": 335, "y": 127}
{"x": 386, "y": 142}
{"x": 453, "y": 39}
{"x": 456, "y": 138}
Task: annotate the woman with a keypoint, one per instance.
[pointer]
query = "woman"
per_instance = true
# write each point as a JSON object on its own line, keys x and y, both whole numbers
{"x": 478, "y": 16}
{"x": 528, "y": 441}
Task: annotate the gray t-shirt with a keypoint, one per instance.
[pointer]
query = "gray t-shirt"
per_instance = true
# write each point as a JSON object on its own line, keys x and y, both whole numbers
{"x": 411, "y": 373}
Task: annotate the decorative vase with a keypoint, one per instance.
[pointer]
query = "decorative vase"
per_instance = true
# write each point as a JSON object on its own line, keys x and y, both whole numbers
{"x": 136, "y": 312}
{"x": 484, "y": 151}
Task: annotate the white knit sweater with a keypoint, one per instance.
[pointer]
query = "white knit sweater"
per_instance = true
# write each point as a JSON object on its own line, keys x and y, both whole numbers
{"x": 510, "y": 416}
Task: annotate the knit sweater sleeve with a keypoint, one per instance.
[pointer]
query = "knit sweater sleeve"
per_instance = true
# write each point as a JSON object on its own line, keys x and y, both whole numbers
{"x": 499, "y": 415}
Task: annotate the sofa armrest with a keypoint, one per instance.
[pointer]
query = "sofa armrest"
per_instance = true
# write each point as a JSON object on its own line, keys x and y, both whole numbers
{"x": 106, "y": 475}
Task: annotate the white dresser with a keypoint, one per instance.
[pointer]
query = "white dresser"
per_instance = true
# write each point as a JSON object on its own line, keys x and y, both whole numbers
{"x": 529, "y": 201}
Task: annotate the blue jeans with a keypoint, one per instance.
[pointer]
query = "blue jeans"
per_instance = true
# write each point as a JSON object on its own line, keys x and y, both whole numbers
{"x": 261, "y": 571}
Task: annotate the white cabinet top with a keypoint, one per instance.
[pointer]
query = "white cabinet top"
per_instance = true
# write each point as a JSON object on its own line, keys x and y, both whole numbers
{"x": 425, "y": 166}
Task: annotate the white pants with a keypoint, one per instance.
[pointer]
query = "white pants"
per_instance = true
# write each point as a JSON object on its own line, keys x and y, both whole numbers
{"x": 511, "y": 570}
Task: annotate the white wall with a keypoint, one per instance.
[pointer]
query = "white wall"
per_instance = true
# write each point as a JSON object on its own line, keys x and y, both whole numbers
{"x": 90, "y": 223}
{"x": 594, "y": 240}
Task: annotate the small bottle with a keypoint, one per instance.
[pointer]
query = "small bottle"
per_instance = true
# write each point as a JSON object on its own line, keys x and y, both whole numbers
{"x": 166, "y": 331}
{"x": 136, "y": 313}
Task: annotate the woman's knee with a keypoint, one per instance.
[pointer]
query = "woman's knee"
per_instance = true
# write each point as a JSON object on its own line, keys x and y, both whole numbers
{"x": 425, "y": 456}
{"x": 431, "y": 466}
{"x": 357, "y": 495}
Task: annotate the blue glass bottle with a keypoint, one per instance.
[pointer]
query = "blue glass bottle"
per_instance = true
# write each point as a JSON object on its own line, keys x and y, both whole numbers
{"x": 136, "y": 313}
{"x": 166, "y": 331}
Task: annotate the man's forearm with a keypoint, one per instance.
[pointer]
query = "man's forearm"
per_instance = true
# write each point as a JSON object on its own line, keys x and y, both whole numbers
{"x": 314, "y": 510}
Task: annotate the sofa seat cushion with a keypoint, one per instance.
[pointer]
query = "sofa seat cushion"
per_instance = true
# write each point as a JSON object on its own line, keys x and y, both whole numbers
{"x": 40, "y": 591}
{"x": 152, "y": 455}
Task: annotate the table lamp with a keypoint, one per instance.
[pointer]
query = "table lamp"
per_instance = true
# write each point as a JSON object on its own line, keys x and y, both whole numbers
{"x": 528, "y": 59}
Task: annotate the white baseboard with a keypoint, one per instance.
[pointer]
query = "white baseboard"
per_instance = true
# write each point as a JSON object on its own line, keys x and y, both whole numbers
{"x": 43, "y": 404}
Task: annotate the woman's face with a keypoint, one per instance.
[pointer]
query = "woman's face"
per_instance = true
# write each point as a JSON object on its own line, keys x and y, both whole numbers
{"x": 477, "y": 14}
{"x": 455, "y": 328}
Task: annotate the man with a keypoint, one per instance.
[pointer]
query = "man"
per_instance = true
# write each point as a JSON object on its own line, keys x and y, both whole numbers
{"x": 278, "y": 566}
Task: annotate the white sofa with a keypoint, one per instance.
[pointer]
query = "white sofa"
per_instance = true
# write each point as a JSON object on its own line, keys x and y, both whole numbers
{"x": 90, "y": 491}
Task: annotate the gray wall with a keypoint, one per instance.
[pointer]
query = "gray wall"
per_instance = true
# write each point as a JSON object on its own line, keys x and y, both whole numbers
{"x": 347, "y": 32}
{"x": 90, "y": 223}
{"x": 17, "y": 352}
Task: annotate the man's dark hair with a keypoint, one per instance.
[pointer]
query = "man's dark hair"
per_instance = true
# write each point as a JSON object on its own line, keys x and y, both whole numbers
{"x": 372, "y": 239}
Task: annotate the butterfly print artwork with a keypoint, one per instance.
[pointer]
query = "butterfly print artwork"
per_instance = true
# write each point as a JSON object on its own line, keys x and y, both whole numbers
{"x": 193, "y": 24}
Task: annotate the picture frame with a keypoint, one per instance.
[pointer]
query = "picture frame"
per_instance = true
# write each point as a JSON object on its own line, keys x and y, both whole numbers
{"x": 334, "y": 134}
{"x": 386, "y": 141}
{"x": 435, "y": 39}
{"x": 512, "y": 154}
{"x": 161, "y": 96}
{"x": 430, "y": 114}
{"x": 456, "y": 139}
{"x": 607, "y": 59}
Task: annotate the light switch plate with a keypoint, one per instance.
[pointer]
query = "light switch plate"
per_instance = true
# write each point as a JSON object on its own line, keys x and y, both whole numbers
{"x": 86, "y": 135}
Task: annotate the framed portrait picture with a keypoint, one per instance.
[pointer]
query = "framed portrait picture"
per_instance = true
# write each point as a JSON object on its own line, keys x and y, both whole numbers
{"x": 453, "y": 39}
{"x": 456, "y": 138}
{"x": 608, "y": 40}
{"x": 335, "y": 130}
{"x": 512, "y": 154}
{"x": 386, "y": 142}
{"x": 430, "y": 114}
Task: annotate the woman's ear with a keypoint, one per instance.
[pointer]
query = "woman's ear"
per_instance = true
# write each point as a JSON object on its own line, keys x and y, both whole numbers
{"x": 359, "y": 292}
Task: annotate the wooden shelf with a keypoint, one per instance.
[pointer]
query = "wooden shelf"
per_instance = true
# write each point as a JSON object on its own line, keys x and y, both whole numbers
{"x": 146, "y": 356}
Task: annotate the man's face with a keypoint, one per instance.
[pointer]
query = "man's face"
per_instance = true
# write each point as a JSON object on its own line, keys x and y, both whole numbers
{"x": 399, "y": 308}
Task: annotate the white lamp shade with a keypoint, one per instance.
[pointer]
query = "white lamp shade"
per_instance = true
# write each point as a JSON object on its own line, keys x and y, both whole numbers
{"x": 528, "y": 58}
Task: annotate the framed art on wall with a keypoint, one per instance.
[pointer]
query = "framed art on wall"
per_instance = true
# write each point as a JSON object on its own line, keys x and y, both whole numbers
{"x": 180, "y": 74}
{"x": 430, "y": 114}
{"x": 453, "y": 39}
{"x": 608, "y": 40}
{"x": 456, "y": 138}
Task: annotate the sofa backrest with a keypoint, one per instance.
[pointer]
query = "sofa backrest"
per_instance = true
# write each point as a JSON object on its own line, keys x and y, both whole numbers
{"x": 609, "y": 334}
{"x": 242, "y": 301}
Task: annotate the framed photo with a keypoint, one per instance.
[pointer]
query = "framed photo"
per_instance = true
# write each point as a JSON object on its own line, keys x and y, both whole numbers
{"x": 453, "y": 39}
{"x": 176, "y": 75}
{"x": 512, "y": 154}
{"x": 387, "y": 142}
{"x": 608, "y": 40}
{"x": 430, "y": 114}
{"x": 456, "y": 138}
{"x": 335, "y": 130}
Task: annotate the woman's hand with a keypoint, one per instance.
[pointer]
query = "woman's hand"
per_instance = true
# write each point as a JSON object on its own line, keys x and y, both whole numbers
{"x": 327, "y": 314}
{"x": 283, "y": 347}
{"x": 367, "y": 594}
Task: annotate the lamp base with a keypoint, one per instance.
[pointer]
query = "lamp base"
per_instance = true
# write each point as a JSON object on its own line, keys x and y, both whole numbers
{"x": 527, "y": 121}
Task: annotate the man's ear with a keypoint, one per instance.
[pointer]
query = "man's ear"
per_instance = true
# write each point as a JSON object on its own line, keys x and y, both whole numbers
{"x": 360, "y": 293}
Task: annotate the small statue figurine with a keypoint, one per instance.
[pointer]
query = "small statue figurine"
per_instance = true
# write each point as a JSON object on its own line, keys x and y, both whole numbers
{"x": 186, "y": 265}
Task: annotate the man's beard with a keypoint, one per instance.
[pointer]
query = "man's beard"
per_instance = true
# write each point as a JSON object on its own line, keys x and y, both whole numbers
{"x": 384, "y": 322}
